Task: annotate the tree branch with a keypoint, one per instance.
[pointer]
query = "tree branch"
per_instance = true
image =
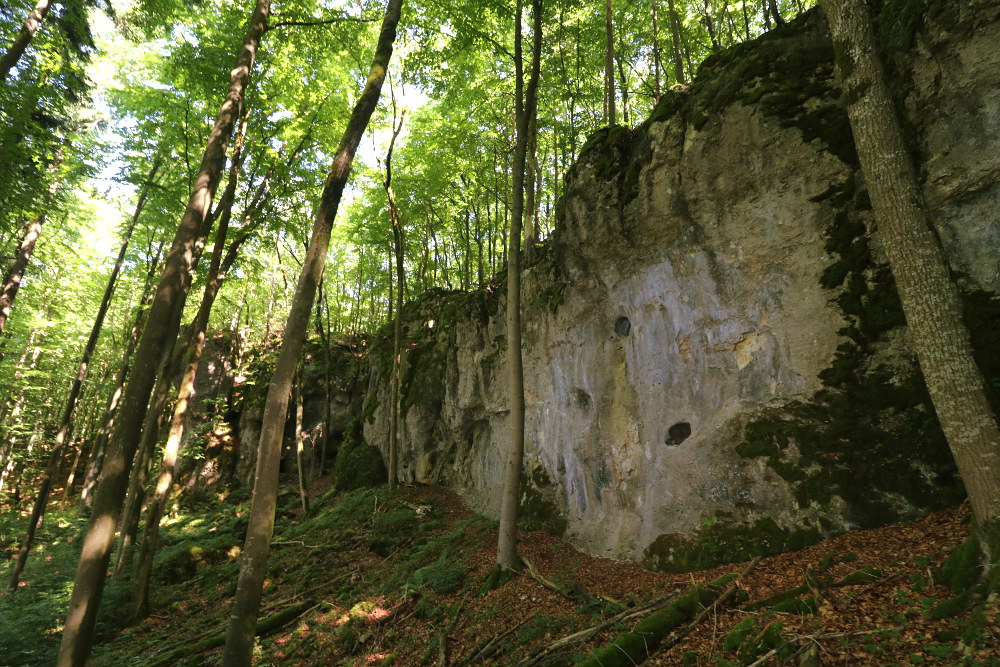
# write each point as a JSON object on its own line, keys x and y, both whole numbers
{"x": 336, "y": 19}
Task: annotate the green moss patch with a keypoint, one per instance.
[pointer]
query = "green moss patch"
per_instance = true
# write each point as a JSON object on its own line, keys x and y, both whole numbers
{"x": 723, "y": 542}
{"x": 537, "y": 508}
{"x": 358, "y": 466}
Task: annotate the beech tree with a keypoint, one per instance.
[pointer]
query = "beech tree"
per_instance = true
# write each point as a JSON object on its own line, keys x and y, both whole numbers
{"x": 181, "y": 259}
{"x": 930, "y": 298}
{"x": 526, "y": 102}
{"x": 243, "y": 622}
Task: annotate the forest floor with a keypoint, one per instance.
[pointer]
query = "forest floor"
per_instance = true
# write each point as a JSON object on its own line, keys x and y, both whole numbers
{"x": 393, "y": 578}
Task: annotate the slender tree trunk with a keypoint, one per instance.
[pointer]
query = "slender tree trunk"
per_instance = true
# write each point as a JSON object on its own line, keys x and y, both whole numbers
{"x": 527, "y": 103}
{"x": 930, "y": 299}
{"x": 531, "y": 192}
{"x": 243, "y": 622}
{"x": 324, "y": 328}
{"x": 677, "y": 50}
{"x": 89, "y": 583}
{"x": 397, "y": 326}
{"x": 151, "y": 427}
{"x": 13, "y": 281}
{"x": 55, "y": 457}
{"x": 17, "y": 48}
{"x": 623, "y": 88}
{"x": 778, "y": 19}
{"x": 710, "y": 25}
{"x": 107, "y": 422}
{"x": 609, "y": 63}
{"x": 218, "y": 266}
{"x": 657, "y": 90}
{"x": 300, "y": 444}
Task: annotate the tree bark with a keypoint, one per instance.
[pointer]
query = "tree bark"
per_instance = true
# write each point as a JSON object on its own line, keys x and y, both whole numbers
{"x": 397, "y": 325}
{"x": 526, "y": 102}
{"x": 17, "y": 48}
{"x": 181, "y": 259}
{"x": 677, "y": 49}
{"x": 609, "y": 62}
{"x": 930, "y": 299}
{"x": 239, "y": 637}
{"x": 13, "y": 281}
{"x": 66, "y": 424}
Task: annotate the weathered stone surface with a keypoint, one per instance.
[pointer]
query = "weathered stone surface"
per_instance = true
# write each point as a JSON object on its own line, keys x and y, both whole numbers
{"x": 685, "y": 285}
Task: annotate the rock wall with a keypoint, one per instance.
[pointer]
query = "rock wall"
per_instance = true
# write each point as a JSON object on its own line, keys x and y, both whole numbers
{"x": 713, "y": 346}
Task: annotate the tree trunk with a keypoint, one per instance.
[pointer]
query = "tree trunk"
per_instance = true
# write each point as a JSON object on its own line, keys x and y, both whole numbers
{"x": 242, "y": 625}
{"x": 139, "y": 475}
{"x": 300, "y": 444}
{"x": 609, "y": 63}
{"x": 930, "y": 299}
{"x": 13, "y": 281}
{"x": 397, "y": 326}
{"x": 107, "y": 420}
{"x": 773, "y": 7}
{"x": 174, "y": 282}
{"x": 65, "y": 426}
{"x": 195, "y": 346}
{"x": 677, "y": 50}
{"x": 531, "y": 193}
{"x": 527, "y": 103}
{"x": 710, "y": 26}
{"x": 657, "y": 90}
{"x": 23, "y": 38}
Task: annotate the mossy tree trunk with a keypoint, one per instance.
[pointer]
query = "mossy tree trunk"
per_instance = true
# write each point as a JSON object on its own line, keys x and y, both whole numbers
{"x": 930, "y": 299}
{"x": 243, "y": 622}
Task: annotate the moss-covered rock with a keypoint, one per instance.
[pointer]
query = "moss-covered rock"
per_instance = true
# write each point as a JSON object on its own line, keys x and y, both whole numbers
{"x": 724, "y": 541}
{"x": 358, "y": 466}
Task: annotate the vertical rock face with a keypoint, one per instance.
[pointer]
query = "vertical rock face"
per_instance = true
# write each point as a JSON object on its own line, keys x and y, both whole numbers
{"x": 712, "y": 342}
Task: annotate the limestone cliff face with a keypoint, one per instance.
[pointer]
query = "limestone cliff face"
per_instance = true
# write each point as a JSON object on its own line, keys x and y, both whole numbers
{"x": 712, "y": 339}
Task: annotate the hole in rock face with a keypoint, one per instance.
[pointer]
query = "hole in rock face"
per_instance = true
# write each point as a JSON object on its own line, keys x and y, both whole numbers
{"x": 678, "y": 433}
{"x": 623, "y": 327}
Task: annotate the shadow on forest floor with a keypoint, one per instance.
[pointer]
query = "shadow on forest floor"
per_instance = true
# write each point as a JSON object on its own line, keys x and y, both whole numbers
{"x": 377, "y": 578}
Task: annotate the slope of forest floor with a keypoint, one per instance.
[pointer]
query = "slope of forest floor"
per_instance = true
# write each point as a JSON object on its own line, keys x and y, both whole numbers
{"x": 393, "y": 578}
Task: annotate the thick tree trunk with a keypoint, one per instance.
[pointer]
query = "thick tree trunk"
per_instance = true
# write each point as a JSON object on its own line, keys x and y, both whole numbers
{"x": 17, "y": 48}
{"x": 55, "y": 457}
{"x": 930, "y": 299}
{"x": 242, "y": 625}
{"x": 527, "y": 103}
{"x": 89, "y": 583}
